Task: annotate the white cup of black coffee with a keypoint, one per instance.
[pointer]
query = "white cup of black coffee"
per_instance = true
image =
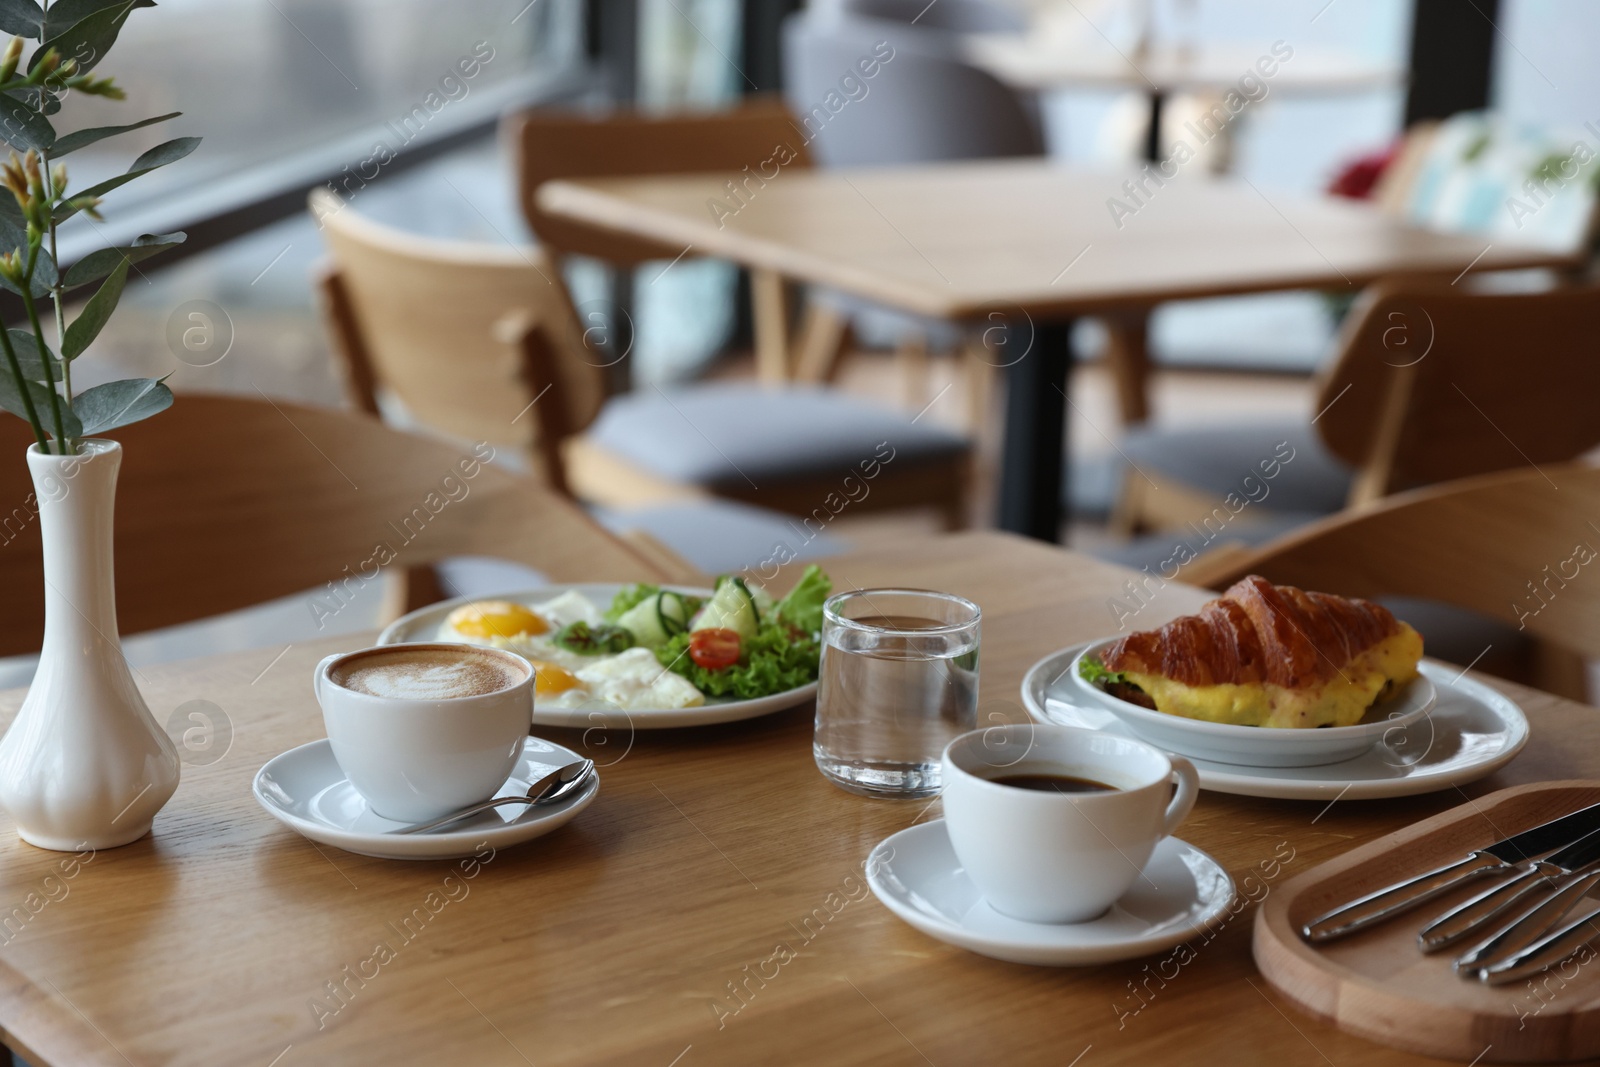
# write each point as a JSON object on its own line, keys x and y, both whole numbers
{"x": 422, "y": 730}
{"x": 1053, "y": 823}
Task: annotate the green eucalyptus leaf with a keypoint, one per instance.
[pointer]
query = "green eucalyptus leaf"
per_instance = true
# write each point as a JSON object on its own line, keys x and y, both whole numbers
{"x": 11, "y": 400}
{"x": 28, "y": 358}
{"x": 84, "y": 30}
{"x": 105, "y": 407}
{"x": 22, "y": 127}
{"x": 64, "y": 14}
{"x": 86, "y": 327}
{"x": 44, "y": 273}
{"x": 13, "y": 227}
{"x": 21, "y": 18}
{"x": 71, "y": 142}
{"x": 97, "y": 265}
{"x": 159, "y": 156}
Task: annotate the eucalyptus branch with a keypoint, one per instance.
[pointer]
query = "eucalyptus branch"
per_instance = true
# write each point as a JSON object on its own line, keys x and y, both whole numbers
{"x": 30, "y": 92}
{"x": 65, "y": 445}
{"x": 56, "y": 189}
{"x": 22, "y": 388}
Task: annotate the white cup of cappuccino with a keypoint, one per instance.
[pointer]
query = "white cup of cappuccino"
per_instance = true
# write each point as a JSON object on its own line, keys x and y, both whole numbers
{"x": 1054, "y": 823}
{"x": 422, "y": 730}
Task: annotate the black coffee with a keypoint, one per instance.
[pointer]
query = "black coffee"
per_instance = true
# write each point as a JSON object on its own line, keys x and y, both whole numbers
{"x": 1054, "y": 783}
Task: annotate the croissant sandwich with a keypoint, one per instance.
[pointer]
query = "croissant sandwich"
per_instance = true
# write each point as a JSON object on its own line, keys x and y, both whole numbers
{"x": 1265, "y": 655}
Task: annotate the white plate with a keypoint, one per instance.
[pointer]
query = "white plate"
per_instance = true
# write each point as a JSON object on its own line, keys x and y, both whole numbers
{"x": 305, "y": 790}
{"x": 1260, "y": 746}
{"x": 424, "y": 624}
{"x": 1470, "y": 732}
{"x": 917, "y": 876}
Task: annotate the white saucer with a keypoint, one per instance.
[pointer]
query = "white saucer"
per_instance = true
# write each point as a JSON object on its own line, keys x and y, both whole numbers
{"x": 917, "y": 876}
{"x": 1470, "y": 732}
{"x": 305, "y": 790}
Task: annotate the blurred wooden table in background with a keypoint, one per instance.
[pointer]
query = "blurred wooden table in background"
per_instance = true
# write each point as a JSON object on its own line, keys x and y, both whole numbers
{"x": 1029, "y": 244}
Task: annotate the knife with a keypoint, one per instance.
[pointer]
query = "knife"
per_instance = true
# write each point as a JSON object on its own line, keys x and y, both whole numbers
{"x": 1532, "y": 926}
{"x": 1550, "y": 949}
{"x": 1510, "y": 901}
{"x": 1498, "y": 858}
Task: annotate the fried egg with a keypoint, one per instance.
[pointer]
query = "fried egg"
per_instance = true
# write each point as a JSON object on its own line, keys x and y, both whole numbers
{"x": 571, "y": 606}
{"x": 526, "y": 630}
{"x": 631, "y": 680}
{"x": 635, "y": 681}
{"x": 482, "y": 620}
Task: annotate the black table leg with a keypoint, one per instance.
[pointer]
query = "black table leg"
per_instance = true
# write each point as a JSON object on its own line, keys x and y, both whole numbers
{"x": 1152, "y": 133}
{"x": 1033, "y": 457}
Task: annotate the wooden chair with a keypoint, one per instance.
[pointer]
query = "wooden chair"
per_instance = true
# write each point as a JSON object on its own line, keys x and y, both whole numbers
{"x": 1431, "y": 382}
{"x": 754, "y": 142}
{"x": 1517, "y": 546}
{"x": 226, "y": 502}
{"x": 1440, "y": 173}
{"x": 480, "y": 342}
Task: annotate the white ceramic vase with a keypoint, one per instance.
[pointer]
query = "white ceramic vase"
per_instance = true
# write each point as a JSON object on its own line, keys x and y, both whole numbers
{"x": 84, "y": 765}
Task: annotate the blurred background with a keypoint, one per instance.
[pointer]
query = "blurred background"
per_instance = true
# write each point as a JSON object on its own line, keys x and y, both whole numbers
{"x": 369, "y": 98}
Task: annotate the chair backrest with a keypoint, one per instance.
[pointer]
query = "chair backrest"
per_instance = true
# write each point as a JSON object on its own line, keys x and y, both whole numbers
{"x": 226, "y": 502}
{"x": 1477, "y": 172}
{"x": 953, "y": 16}
{"x": 1517, "y": 546}
{"x": 1435, "y": 381}
{"x": 920, "y": 103}
{"x": 752, "y": 143}
{"x": 466, "y": 336}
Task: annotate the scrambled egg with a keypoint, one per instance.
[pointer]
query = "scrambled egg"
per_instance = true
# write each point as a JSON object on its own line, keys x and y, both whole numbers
{"x": 1342, "y": 701}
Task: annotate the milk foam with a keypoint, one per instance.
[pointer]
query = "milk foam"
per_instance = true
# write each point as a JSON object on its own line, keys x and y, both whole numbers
{"x": 425, "y": 674}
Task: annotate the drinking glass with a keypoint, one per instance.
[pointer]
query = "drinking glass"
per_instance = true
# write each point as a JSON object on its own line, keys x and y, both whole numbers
{"x": 899, "y": 681}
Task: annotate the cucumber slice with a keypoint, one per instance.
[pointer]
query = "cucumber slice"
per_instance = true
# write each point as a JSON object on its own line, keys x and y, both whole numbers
{"x": 643, "y": 620}
{"x": 672, "y": 613}
{"x": 744, "y": 587}
{"x": 730, "y": 608}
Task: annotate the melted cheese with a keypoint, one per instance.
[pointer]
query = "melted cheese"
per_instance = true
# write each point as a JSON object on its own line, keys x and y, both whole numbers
{"x": 1343, "y": 701}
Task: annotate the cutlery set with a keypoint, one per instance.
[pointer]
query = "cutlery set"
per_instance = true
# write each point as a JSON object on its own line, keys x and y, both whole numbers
{"x": 1516, "y": 928}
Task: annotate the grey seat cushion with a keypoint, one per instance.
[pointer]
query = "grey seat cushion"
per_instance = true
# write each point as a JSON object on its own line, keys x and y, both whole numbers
{"x": 1150, "y": 551}
{"x": 1216, "y": 460}
{"x": 738, "y": 435}
{"x": 716, "y": 536}
{"x": 723, "y": 537}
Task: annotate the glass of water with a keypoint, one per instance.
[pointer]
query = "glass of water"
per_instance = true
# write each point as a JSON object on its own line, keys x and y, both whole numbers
{"x": 899, "y": 680}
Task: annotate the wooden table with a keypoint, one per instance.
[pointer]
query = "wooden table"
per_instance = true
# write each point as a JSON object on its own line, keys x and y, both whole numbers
{"x": 617, "y": 939}
{"x": 1046, "y": 61}
{"x": 1043, "y": 61}
{"x": 1032, "y": 244}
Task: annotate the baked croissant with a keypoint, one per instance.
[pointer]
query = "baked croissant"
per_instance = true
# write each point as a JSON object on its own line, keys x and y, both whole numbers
{"x": 1266, "y": 655}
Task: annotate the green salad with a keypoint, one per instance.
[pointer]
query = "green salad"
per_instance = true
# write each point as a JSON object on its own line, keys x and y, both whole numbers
{"x": 739, "y": 642}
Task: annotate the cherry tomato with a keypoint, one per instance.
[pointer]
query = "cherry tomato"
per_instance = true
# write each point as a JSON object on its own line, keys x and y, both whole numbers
{"x": 714, "y": 649}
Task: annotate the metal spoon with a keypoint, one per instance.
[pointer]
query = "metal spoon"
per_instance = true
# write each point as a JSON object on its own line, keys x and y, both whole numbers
{"x": 555, "y": 786}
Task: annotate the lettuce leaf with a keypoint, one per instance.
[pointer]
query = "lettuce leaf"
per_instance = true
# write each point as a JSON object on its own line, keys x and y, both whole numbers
{"x": 1095, "y": 673}
{"x": 773, "y": 661}
{"x": 803, "y": 606}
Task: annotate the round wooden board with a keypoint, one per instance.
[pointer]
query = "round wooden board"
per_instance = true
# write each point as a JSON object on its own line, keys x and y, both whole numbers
{"x": 1379, "y": 985}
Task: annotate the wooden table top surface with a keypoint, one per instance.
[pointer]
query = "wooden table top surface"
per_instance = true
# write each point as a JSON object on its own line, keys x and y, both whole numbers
{"x": 1043, "y": 60}
{"x": 615, "y": 939}
{"x": 961, "y": 240}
